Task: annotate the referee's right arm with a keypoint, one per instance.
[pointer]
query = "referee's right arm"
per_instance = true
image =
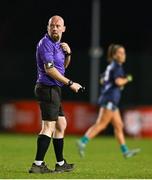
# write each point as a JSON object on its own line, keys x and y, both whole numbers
{"x": 55, "y": 74}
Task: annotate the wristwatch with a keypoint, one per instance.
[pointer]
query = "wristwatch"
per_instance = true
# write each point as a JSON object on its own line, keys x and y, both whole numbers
{"x": 68, "y": 54}
{"x": 70, "y": 83}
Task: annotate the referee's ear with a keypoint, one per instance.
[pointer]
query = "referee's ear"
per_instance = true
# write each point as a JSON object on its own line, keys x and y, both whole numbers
{"x": 48, "y": 28}
{"x": 64, "y": 28}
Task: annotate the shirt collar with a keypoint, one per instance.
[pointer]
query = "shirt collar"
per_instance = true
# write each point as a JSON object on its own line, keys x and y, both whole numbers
{"x": 115, "y": 62}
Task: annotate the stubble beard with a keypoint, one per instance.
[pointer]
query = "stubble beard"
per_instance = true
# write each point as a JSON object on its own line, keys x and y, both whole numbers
{"x": 55, "y": 37}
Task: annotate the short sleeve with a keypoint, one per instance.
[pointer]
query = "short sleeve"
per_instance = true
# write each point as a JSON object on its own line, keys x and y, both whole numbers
{"x": 118, "y": 72}
{"x": 46, "y": 51}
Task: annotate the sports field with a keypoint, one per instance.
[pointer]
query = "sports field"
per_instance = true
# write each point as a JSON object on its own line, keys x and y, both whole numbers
{"x": 103, "y": 159}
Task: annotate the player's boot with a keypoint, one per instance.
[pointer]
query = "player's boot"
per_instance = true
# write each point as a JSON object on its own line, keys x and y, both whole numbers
{"x": 64, "y": 168}
{"x": 40, "y": 169}
{"x": 131, "y": 153}
{"x": 81, "y": 148}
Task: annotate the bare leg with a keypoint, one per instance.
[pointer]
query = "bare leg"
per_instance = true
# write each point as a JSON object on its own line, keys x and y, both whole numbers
{"x": 102, "y": 121}
{"x": 118, "y": 127}
{"x": 60, "y": 127}
{"x": 48, "y": 128}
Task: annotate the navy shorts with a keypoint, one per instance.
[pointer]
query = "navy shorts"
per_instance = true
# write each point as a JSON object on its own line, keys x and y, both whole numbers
{"x": 49, "y": 98}
{"x": 110, "y": 106}
{"x": 106, "y": 103}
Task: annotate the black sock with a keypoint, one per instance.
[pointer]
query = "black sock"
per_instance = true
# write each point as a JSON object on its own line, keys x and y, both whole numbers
{"x": 43, "y": 142}
{"x": 58, "y": 148}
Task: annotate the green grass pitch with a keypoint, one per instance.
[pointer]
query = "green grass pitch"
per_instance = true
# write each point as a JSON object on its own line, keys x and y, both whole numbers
{"x": 103, "y": 159}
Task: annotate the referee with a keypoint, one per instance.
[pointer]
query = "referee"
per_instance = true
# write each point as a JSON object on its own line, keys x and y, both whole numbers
{"x": 53, "y": 57}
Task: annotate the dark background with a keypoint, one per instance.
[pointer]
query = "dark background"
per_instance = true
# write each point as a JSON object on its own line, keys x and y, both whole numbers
{"x": 23, "y": 24}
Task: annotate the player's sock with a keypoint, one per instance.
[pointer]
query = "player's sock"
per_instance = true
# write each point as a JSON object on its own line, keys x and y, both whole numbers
{"x": 124, "y": 148}
{"x": 43, "y": 142}
{"x": 84, "y": 139}
{"x": 58, "y": 149}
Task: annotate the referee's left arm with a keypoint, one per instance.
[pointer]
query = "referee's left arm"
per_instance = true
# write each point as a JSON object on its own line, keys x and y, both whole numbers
{"x": 67, "y": 50}
{"x": 67, "y": 60}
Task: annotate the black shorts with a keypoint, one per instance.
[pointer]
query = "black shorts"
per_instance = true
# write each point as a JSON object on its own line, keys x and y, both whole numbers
{"x": 49, "y": 98}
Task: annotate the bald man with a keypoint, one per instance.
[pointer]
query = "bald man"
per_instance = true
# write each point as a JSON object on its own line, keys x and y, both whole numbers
{"x": 52, "y": 57}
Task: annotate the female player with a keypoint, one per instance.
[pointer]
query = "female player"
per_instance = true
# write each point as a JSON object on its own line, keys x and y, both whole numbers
{"x": 113, "y": 81}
